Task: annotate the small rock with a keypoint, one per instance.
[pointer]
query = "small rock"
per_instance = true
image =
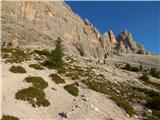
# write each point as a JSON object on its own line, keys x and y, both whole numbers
{"x": 54, "y": 88}
{"x": 94, "y": 108}
{"x": 63, "y": 114}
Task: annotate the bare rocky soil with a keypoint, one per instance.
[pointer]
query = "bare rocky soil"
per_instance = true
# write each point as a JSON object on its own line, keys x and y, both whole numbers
{"x": 88, "y": 104}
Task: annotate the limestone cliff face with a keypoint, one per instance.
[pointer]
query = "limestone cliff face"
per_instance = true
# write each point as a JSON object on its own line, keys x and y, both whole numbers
{"x": 38, "y": 24}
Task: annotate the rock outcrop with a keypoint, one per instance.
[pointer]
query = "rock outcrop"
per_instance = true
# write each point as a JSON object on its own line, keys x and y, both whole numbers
{"x": 38, "y": 24}
{"x": 127, "y": 44}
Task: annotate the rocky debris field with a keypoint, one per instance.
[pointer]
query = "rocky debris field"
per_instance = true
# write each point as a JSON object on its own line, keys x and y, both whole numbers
{"x": 83, "y": 89}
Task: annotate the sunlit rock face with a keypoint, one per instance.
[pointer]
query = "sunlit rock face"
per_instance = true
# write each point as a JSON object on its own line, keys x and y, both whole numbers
{"x": 38, "y": 24}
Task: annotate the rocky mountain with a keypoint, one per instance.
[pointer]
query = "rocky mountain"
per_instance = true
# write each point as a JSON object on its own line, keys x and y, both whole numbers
{"x": 38, "y": 24}
{"x": 123, "y": 87}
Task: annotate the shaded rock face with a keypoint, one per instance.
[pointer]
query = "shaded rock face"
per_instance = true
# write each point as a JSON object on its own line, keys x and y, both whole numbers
{"x": 38, "y": 24}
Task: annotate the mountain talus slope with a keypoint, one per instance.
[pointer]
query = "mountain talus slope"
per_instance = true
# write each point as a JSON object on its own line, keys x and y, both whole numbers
{"x": 38, "y": 24}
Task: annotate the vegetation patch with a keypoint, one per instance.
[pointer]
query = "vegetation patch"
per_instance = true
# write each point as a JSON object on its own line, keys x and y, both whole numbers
{"x": 62, "y": 70}
{"x": 130, "y": 68}
{"x": 8, "y": 117}
{"x": 44, "y": 52}
{"x": 34, "y": 94}
{"x": 154, "y": 72}
{"x": 55, "y": 60}
{"x": 154, "y": 103}
{"x": 144, "y": 77}
{"x": 146, "y": 81}
{"x": 72, "y": 89}
{"x": 17, "y": 69}
{"x": 56, "y": 78}
{"x": 15, "y": 55}
{"x": 37, "y": 82}
{"x": 36, "y": 66}
{"x": 124, "y": 104}
{"x": 73, "y": 76}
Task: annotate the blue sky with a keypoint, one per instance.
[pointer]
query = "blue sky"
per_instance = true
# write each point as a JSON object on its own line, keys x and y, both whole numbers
{"x": 142, "y": 19}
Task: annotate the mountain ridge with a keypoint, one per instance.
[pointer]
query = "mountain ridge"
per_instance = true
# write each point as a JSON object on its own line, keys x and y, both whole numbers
{"x": 28, "y": 24}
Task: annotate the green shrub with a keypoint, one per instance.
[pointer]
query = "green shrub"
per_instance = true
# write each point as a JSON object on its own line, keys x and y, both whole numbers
{"x": 15, "y": 55}
{"x": 155, "y": 73}
{"x": 130, "y": 68}
{"x": 34, "y": 94}
{"x": 124, "y": 104}
{"x": 72, "y": 89}
{"x": 135, "y": 69}
{"x": 56, "y": 78}
{"x": 72, "y": 75}
{"x": 37, "y": 82}
{"x": 146, "y": 80}
{"x": 144, "y": 77}
{"x": 8, "y": 117}
{"x": 140, "y": 68}
{"x": 154, "y": 103}
{"x": 17, "y": 69}
{"x": 61, "y": 70}
{"x": 127, "y": 67}
{"x": 36, "y": 66}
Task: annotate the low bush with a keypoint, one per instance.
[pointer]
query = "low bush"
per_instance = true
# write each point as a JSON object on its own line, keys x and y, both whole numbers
{"x": 140, "y": 68}
{"x": 130, "y": 68}
{"x": 72, "y": 75}
{"x": 36, "y": 66}
{"x": 144, "y": 77}
{"x": 127, "y": 67}
{"x": 37, "y": 82}
{"x": 8, "y": 117}
{"x": 56, "y": 78}
{"x": 72, "y": 89}
{"x": 17, "y": 69}
{"x": 34, "y": 94}
{"x": 156, "y": 113}
{"x": 15, "y": 55}
{"x": 62, "y": 70}
{"x": 146, "y": 80}
{"x": 154, "y": 72}
{"x": 154, "y": 103}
